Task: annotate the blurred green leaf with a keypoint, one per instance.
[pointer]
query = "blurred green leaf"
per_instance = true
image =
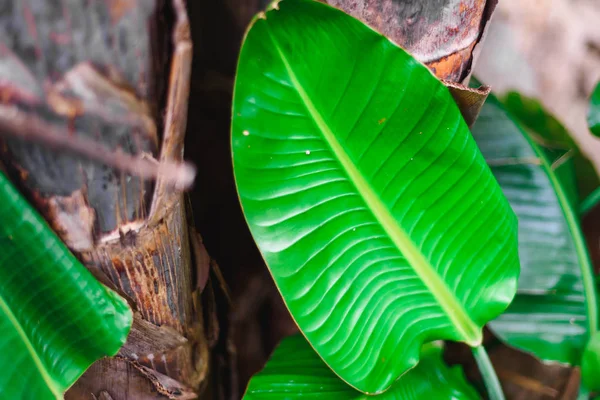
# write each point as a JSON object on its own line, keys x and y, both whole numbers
{"x": 295, "y": 371}
{"x": 55, "y": 317}
{"x": 555, "y": 309}
{"x": 590, "y": 366}
{"x": 556, "y": 141}
{"x": 594, "y": 111}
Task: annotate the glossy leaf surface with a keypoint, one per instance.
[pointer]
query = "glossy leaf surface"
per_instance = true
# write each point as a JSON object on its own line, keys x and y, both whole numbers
{"x": 55, "y": 317}
{"x": 555, "y": 307}
{"x": 594, "y": 111}
{"x": 295, "y": 371}
{"x": 379, "y": 220}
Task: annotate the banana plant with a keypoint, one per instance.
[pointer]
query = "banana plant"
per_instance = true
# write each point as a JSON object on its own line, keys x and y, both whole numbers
{"x": 382, "y": 225}
{"x": 294, "y": 371}
{"x": 55, "y": 317}
{"x": 555, "y": 312}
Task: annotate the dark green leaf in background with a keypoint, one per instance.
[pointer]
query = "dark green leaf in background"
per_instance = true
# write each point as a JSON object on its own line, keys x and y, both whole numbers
{"x": 594, "y": 111}
{"x": 380, "y": 221}
{"x": 55, "y": 317}
{"x": 294, "y": 371}
{"x": 558, "y": 145}
{"x": 555, "y": 309}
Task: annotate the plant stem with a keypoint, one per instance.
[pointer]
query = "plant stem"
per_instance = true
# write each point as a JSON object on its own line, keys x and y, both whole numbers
{"x": 490, "y": 379}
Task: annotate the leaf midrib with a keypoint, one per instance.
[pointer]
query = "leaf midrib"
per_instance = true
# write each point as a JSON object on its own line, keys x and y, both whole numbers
{"x": 34, "y": 356}
{"x": 465, "y": 326}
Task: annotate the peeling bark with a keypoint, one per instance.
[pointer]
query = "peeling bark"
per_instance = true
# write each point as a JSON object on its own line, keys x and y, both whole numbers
{"x": 468, "y": 100}
{"x": 445, "y": 35}
{"x": 116, "y": 73}
{"x": 440, "y": 33}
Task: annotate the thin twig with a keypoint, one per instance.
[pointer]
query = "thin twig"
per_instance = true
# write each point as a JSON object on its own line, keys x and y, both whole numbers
{"x": 18, "y": 124}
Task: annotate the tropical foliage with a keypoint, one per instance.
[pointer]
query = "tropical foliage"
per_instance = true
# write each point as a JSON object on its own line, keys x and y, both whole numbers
{"x": 55, "y": 317}
{"x": 387, "y": 225}
{"x": 344, "y": 175}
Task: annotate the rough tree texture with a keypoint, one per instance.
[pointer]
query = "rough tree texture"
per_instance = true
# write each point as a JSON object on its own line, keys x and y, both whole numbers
{"x": 116, "y": 71}
{"x": 440, "y": 33}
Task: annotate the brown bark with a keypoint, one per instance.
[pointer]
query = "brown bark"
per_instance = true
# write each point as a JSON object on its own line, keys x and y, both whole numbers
{"x": 440, "y": 33}
{"x": 114, "y": 73}
{"x": 445, "y": 35}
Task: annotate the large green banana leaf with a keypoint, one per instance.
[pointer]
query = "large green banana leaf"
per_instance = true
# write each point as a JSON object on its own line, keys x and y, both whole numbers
{"x": 594, "y": 111}
{"x": 555, "y": 309}
{"x": 379, "y": 219}
{"x": 55, "y": 317}
{"x": 294, "y": 371}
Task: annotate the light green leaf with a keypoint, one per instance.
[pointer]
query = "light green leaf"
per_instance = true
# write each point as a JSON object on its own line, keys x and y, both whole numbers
{"x": 594, "y": 111}
{"x": 555, "y": 307}
{"x": 379, "y": 220}
{"x": 294, "y": 371}
{"x": 55, "y": 317}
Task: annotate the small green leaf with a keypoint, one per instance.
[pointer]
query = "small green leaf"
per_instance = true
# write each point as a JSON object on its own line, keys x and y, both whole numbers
{"x": 294, "y": 371}
{"x": 594, "y": 111}
{"x": 379, "y": 219}
{"x": 590, "y": 365}
{"x": 55, "y": 317}
{"x": 555, "y": 309}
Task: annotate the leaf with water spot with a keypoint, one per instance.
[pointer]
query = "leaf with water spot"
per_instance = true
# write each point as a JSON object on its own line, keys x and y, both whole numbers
{"x": 378, "y": 217}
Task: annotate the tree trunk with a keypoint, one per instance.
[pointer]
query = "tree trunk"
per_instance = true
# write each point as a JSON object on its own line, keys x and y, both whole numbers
{"x": 117, "y": 73}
